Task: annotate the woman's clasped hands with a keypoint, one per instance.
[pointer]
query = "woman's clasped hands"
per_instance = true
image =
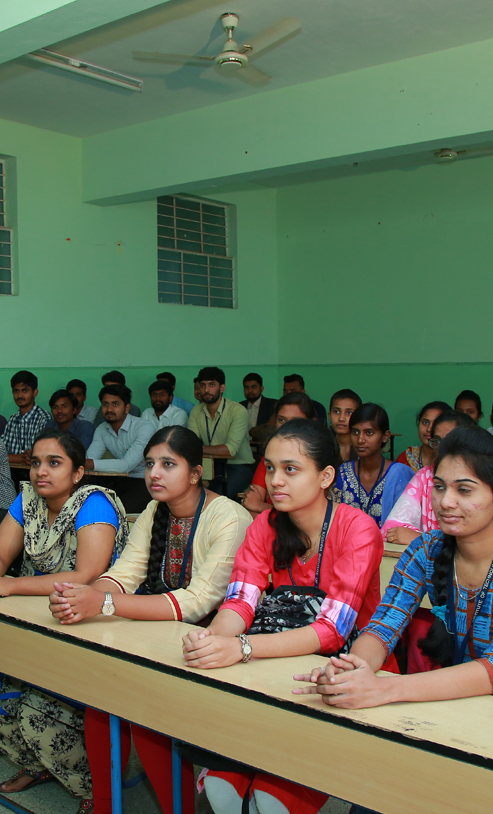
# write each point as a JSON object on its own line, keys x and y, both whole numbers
{"x": 201, "y": 648}
{"x": 71, "y": 602}
{"x": 347, "y": 682}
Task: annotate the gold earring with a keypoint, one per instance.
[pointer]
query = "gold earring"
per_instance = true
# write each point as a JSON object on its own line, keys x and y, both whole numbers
{"x": 194, "y": 481}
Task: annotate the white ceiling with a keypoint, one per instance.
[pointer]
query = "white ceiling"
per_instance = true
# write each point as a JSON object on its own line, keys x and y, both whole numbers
{"x": 337, "y": 36}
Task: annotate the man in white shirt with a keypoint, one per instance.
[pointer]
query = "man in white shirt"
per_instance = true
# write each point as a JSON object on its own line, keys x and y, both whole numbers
{"x": 125, "y": 436}
{"x": 163, "y": 412}
{"x": 78, "y": 388}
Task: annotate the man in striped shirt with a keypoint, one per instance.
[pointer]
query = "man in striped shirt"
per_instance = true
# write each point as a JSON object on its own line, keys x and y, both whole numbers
{"x": 23, "y": 427}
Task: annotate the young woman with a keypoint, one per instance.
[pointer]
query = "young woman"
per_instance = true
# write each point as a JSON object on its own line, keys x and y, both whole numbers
{"x": 65, "y": 531}
{"x": 422, "y": 455}
{"x": 304, "y": 534}
{"x": 371, "y": 483}
{"x": 342, "y": 406}
{"x": 469, "y": 402}
{"x": 180, "y": 553}
{"x": 454, "y": 566}
{"x": 292, "y": 405}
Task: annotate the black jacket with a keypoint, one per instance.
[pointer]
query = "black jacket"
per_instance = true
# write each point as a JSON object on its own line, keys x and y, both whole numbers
{"x": 265, "y": 410}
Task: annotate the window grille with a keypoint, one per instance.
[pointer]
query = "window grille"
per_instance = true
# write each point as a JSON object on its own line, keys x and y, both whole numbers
{"x": 194, "y": 267}
{"x": 5, "y": 261}
{"x": 2, "y": 193}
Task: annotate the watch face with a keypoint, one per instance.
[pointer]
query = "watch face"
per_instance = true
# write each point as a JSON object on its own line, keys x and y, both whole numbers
{"x": 108, "y": 608}
{"x": 247, "y": 649}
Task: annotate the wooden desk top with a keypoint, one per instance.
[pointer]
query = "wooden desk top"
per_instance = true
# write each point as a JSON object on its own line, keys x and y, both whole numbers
{"x": 248, "y": 712}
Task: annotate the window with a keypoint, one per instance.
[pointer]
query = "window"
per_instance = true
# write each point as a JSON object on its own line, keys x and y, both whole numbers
{"x": 5, "y": 241}
{"x": 194, "y": 262}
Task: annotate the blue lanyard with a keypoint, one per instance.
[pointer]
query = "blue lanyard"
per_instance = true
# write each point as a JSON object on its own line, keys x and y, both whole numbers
{"x": 460, "y": 649}
{"x": 209, "y": 436}
{"x": 323, "y": 537}
{"x": 189, "y": 544}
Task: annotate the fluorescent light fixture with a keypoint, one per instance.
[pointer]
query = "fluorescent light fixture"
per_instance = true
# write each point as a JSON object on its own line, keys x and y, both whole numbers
{"x": 46, "y": 57}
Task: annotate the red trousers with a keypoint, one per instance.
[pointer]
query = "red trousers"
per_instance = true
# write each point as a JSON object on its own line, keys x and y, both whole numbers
{"x": 154, "y": 751}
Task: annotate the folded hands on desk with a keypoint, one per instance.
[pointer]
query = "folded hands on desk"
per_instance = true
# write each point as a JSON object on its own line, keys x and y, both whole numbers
{"x": 204, "y": 649}
{"x": 347, "y": 682}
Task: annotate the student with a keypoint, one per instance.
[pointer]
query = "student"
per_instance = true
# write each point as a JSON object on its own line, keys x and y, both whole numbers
{"x": 183, "y": 404}
{"x": 78, "y": 388}
{"x": 197, "y": 393}
{"x": 114, "y": 377}
{"x": 296, "y": 384}
{"x": 423, "y": 455}
{"x": 342, "y": 405}
{"x": 413, "y": 513}
{"x": 371, "y": 483}
{"x": 469, "y": 402}
{"x": 454, "y": 566}
{"x": 7, "y": 488}
{"x": 259, "y": 408}
{"x": 292, "y": 405}
{"x": 222, "y": 425}
{"x": 163, "y": 412}
{"x": 303, "y": 534}
{"x": 173, "y": 475}
{"x": 23, "y": 427}
{"x": 124, "y": 436}
{"x": 64, "y": 407}
{"x": 65, "y": 530}
{"x": 3, "y": 424}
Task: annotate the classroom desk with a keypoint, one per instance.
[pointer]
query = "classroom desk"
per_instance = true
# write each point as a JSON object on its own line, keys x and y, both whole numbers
{"x": 434, "y": 758}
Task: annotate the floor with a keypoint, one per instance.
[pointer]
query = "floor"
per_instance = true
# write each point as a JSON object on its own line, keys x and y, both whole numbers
{"x": 53, "y": 799}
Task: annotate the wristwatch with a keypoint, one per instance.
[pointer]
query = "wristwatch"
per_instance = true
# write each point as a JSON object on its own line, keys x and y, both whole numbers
{"x": 246, "y": 647}
{"x": 108, "y": 608}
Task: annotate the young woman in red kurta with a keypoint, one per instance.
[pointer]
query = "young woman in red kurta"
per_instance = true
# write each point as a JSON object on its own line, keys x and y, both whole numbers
{"x": 284, "y": 543}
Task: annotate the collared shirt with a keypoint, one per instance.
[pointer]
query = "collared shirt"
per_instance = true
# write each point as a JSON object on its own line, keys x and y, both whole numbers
{"x": 126, "y": 446}
{"x": 7, "y": 489}
{"x": 173, "y": 415}
{"x": 183, "y": 404}
{"x": 21, "y": 430}
{"x": 252, "y": 410}
{"x": 229, "y": 426}
{"x": 88, "y": 413}
{"x": 83, "y": 430}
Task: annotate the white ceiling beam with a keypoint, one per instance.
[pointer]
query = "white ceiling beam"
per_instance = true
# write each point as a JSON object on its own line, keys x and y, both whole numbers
{"x": 28, "y": 25}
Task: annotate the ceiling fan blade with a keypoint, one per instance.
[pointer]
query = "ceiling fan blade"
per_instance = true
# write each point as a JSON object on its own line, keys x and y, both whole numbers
{"x": 174, "y": 59}
{"x": 273, "y": 37}
{"x": 252, "y": 75}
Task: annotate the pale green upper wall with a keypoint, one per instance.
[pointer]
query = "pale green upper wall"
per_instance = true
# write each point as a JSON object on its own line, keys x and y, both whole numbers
{"x": 400, "y": 267}
{"x": 83, "y": 303}
{"x": 387, "y": 109}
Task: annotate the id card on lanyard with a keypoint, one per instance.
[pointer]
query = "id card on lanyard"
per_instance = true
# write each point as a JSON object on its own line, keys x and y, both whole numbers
{"x": 460, "y": 648}
{"x": 209, "y": 436}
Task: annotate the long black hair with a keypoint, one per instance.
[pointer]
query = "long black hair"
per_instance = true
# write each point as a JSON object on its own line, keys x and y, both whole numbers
{"x": 432, "y": 405}
{"x": 319, "y": 445}
{"x": 187, "y": 445}
{"x": 475, "y": 446}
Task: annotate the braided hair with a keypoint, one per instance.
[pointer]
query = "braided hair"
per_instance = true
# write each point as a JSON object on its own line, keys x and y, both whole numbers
{"x": 187, "y": 445}
{"x": 475, "y": 446}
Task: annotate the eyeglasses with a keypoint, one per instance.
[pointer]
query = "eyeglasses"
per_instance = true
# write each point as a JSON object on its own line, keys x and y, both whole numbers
{"x": 434, "y": 442}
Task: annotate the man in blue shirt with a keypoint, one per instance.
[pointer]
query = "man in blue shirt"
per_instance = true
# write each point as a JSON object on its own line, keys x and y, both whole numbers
{"x": 183, "y": 404}
{"x": 64, "y": 407}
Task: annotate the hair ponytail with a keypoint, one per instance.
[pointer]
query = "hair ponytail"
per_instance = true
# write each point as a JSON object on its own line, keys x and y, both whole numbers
{"x": 438, "y": 644}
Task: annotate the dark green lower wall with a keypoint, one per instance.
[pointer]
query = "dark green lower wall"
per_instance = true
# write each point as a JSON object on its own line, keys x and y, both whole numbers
{"x": 401, "y": 389}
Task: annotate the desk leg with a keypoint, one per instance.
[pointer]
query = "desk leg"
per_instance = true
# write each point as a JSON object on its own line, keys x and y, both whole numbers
{"x": 116, "y": 765}
{"x": 176, "y": 770}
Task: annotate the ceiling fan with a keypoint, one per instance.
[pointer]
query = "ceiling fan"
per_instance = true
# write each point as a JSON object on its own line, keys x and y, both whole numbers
{"x": 234, "y": 60}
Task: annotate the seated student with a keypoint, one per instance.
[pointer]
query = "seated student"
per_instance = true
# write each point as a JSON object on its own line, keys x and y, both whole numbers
{"x": 259, "y": 408}
{"x": 3, "y": 424}
{"x": 183, "y": 404}
{"x": 413, "y": 513}
{"x": 153, "y": 559}
{"x": 64, "y": 407}
{"x": 296, "y": 384}
{"x": 342, "y": 405}
{"x": 163, "y": 412}
{"x": 292, "y": 405}
{"x": 66, "y": 531}
{"x": 304, "y": 535}
{"x": 78, "y": 388}
{"x": 114, "y": 377}
{"x": 7, "y": 488}
{"x": 423, "y": 455}
{"x": 469, "y": 402}
{"x": 222, "y": 425}
{"x": 23, "y": 427}
{"x": 197, "y": 393}
{"x": 124, "y": 436}
{"x": 371, "y": 483}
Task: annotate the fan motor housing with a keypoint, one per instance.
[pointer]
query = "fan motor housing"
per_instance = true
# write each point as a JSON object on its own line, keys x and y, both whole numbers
{"x": 230, "y": 61}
